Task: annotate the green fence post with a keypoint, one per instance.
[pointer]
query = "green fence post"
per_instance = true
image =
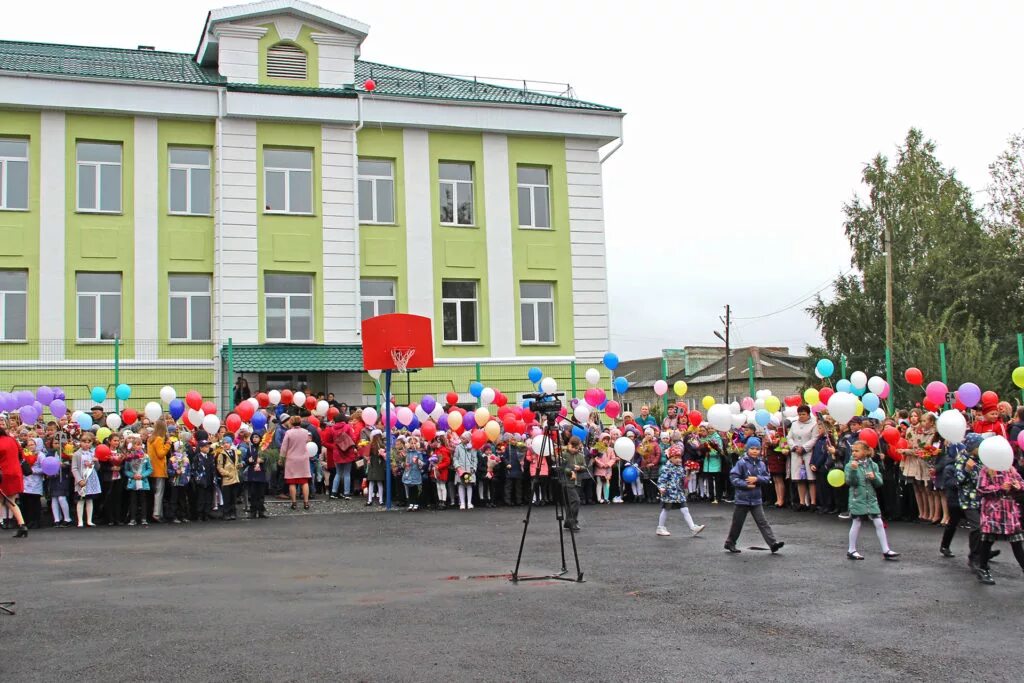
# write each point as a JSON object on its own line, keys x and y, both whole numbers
{"x": 750, "y": 372}
{"x": 842, "y": 368}
{"x": 1020, "y": 357}
{"x": 478, "y": 379}
{"x": 888, "y": 377}
{"x": 572, "y": 376}
{"x": 942, "y": 362}
{"x": 376, "y": 384}
{"x": 117, "y": 372}
{"x": 664, "y": 376}
{"x": 231, "y": 373}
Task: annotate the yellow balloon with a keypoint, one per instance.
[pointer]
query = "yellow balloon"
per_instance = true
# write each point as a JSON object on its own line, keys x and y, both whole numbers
{"x": 811, "y": 397}
{"x": 1018, "y": 377}
{"x": 680, "y": 388}
{"x": 482, "y": 415}
{"x": 102, "y": 433}
{"x": 860, "y": 408}
{"x": 707, "y": 402}
{"x": 492, "y": 430}
{"x": 772, "y": 404}
{"x": 455, "y": 419}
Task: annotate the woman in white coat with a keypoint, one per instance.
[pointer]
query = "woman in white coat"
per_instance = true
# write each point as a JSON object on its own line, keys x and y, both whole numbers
{"x": 802, "y": 436}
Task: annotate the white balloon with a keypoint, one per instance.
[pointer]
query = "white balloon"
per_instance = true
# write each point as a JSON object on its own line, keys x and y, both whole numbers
{"x": 168, "y": 394}
{"x": 537, "y": 444}
{"x": 996, "y": 453}
{"x": 75, "y": 414}
{"x": 859, "y": 380}
{"x": 763, "y": 393}
{"x": 842, "y": 407}
{"x": 274, "y": 396}
{"x": 311, "y": 449}
{"x": 593, "y": 376}
{"x": 737, "y": 420}
{"x": 582, "y": 412}
{"x": 734, "y": 408}
{"x": 548, "y": 385}
{"x": 211, "y": 423}
{"x": 818, "y": 374}
{"x": 254, "y": 403}
{"x": 436, "y": 412}
{"x": 322, "y": 407}
{"x": 114, "y": 422}
{"x": 196, "y": 417}
{"x": 776, "y": 419}
{"x": 790, "y": 412}
{"x": 374, "y": 374}
{"x": 421, "y": 414}
{"x": 876, "y": 384}
{"x": 405, "y": 416}
{"x": 487, "y": 396}
{"x": 750, "y": 416}
{"x": 153, "y": 411}
{"x": 299, "y": 399}
{"x": 720, "y": 416}
{"x": 625, "y": 448}
{"x": 759, "y": 403}
{"x": 952, "y": 426}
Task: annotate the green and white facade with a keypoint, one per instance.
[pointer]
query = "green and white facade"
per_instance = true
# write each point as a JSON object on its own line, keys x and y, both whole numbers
{"x": 257, "y": 191}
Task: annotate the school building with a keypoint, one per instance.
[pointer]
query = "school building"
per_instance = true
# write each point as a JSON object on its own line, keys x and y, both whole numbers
{"x": 273, "y": 188}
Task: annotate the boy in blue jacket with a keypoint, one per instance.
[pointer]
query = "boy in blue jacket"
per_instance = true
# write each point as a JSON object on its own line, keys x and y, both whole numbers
{"x": 747, "y": 476}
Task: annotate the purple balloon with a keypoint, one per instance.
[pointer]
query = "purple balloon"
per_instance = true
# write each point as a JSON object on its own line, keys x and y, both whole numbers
{"x": 442, "y": 423}
{"x": 59, "y": 393}
{"x": 28, "y": 414}
{"x": 50, "y": 466}
{"x": 428, "y": 403}
{"x": 45, "y": 395}
{"x": 27, "y": 398}
{"x": 970, "y": 394}
{"x": 38, "y": 406}
{"x": 58, "y": 408}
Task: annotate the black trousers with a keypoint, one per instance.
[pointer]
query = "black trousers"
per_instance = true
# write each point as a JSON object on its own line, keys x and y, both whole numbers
{"x": 257, "y": 497}
{"x": 572, "y": 504}
{"x": 973, "y": 517}
{"x": 112, "y": 497}
{"x": 412, "y": 493}
{"x": 230, "y": 493}
{"x": 31, "y": 509}
{"x": 826, "y": 499}
{"x": 514, "y": 491}
{"x": 985, "y": 552}
{"x": 739, "y": 516}
{"x": 204, "y": 502}
{"x": 138, "y": 505}
{"x": 179, "y": 502}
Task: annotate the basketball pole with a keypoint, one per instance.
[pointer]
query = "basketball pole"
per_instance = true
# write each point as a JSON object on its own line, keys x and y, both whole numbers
{"x": 387, "y": 437}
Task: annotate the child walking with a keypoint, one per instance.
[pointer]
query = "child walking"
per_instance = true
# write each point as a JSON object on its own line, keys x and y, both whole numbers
{"x": 1000, "y": 517}
{"x": 863, "y": 477}
{"x": 671, "y": 486}
{"x": 747, "y": 476}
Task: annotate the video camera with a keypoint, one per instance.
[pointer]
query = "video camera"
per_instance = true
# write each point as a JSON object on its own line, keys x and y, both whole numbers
{"x": 546, "y": 404}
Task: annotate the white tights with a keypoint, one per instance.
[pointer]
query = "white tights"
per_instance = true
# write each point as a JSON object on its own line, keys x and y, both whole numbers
{"x": 466, "y": 495}
{"x": 87, "y": 504}
{"x": 638, "y": 488}
{"x": 879, "y": 531}
{"x": 663, "y": 517}
{"x": 60, "y": 505}
{"x": 442, "y": 492}
{"x": 377, "y": 486}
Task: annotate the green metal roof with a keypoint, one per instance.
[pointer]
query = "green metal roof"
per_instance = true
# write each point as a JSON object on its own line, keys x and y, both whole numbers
{"x": 295, "y": 358}
{"x": 174, "y": 67}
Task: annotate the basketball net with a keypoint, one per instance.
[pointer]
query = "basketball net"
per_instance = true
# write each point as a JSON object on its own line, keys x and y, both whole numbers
{"x": 401, "y": 356}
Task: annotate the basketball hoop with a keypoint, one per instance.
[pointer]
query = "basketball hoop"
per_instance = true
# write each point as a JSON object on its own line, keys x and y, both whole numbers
{"x": 401, "y": 355}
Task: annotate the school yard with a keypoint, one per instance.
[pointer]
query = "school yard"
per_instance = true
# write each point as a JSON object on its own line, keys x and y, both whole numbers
{"x": 421, "y": 596}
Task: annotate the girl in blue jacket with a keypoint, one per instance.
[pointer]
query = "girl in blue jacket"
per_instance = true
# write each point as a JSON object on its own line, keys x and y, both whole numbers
{"x": 672, "y": 487}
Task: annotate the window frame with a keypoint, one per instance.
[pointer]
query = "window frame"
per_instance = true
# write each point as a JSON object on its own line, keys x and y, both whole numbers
{"x": 188, "y": 296}
{"x": 5, "y": 175}
{"x": 375, "y": 300}
{"x": 98, "y": 166}
{"x": 188, "y": 168}
{"x": 455, "y": 195}
{"x": 4, "y": 339}
{"x": 96, "y": 296}
{"x": 535, "y": 303}
{"x": 373, "y": 180}
{"x": 532, "y": 188}
{"x": 287, "y": 211}
{"x": 287, "y": 296}
{"x": 458, "y": 301}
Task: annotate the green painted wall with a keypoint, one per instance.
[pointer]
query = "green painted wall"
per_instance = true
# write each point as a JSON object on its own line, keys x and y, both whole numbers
{"x": 145, "y": 383}
{"x": 19, "y": 232}
{"x": 304, "y": 41}
{"x": 382, "y": 248}
{"x": 460, "y": 253}
{"x": 185, "y": 242}
{"x": 99, "y": 242}
{"x": 291, "y": 244}
{"x": 543, "y": 255}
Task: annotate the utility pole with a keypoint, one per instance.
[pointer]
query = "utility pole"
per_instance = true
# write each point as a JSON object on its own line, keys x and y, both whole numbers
{"x": 887, "y": 242}
{"x": 725, "y": 321}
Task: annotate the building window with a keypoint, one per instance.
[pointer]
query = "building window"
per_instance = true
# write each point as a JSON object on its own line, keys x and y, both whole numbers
{"x": 289, "y": 307}
{"x": 288, "y": 180}
{"x": 189, "y": 181}
{"x": 13, "y": 304}
{"x": 99, "y": 306}
{"x": 189, "y": 307}
{"x": 286, "y": 61}
{"x": 14, "y": 175}
{"x": 456, "y": 181}
{"x": 99, "y": 177}
{"x": 376, "y": 191}
{"x": 537, "y": 311}
{"x": 458, "y": 307}
{"x": 534, "y": 197}
{"x": 376, "y": 297}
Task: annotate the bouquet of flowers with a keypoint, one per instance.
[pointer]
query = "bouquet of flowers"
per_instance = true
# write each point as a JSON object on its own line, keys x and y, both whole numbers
{"x": 926, "y": 452}
{"x": 492, "y": 461}
{"x": 691, "y": 466}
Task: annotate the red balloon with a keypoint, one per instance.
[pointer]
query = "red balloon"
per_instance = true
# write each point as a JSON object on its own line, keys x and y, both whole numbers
{"x": 452, "y": 398}
{"x": 428, "y": 430}
{"x": 500, "y": 399}
{"x": 958, "y": 405}
{"x": 194, "y": 400}
{"x": 520, "y": 427}
{"x": 930, "y": 406}
{"x": 989, "y": 400}
{"x": 263, "y": 399}
{"x": 315, "y": 422}
{"x": 868, "y": 436}
{"x": 503, "y": 411}
{"x": 102, "y": 452}
{"x": 509, "y": 422}
{"x": 902, "y": 444}
{"x": 890, "y": 434}
{"x": 187, "y": 422}
{"x": 209, "y": 408}
{"x": 913, "y": 376}
{"x": 233, "y": 422}
{"x": 332, "y": 413}
{"x": 287, "y": 396}
{"x": 695, "y": 418}
{"x": 245, "y": 411}
{"x": 369, "y": 85}
{"x": 517, "y": 411}
{"x": 310, "y": 402}
{"x": 129, "y": 416}
{"x": 478, "y": 439}
{"x": 528, "y": 415}
{"x": 825, "y": 393}
{"x": 794, "y": 401}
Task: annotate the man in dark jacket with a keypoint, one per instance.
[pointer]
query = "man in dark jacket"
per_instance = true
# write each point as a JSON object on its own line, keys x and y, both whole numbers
{"x": 512, "y": 460}
{"x": 747, "y": 477}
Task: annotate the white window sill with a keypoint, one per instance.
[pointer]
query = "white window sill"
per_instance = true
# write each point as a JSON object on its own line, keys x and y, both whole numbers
{"x": 289, "y": 213}
{"x": 459, "y": 343}
{"x": 535, "y": 227}
{"x": 288, "y": 341}
{"x": 184, "y": 213}
{"x": 459, "y": 225}
{"x": 97, "y": 342}
{"x": 13, "y": 209}
{"x": 189, "y": 341}
{"x": 102, "y": 213}
{"x": 538, "y": 343}
{"x": 13, "y": 341}
{"x": 387, "y": 225}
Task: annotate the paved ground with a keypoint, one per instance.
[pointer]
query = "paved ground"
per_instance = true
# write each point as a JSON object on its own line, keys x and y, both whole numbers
{"x": 410, "y": 596}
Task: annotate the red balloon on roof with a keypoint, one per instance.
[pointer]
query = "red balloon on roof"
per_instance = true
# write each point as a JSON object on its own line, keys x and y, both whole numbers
{"x": 369, "y": 85}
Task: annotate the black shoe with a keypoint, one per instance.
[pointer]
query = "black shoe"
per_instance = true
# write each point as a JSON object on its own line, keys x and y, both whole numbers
{"x": 891, "y": 556}
{"x": 994, "y": 554}
{"x": 945, "y": 552}
{"x": 261, "y": 515}
{"x": 986, "y": 577}
{"x": 777, "y": 546}
{"x": 731, "y": 547}
{"x": 972, "y": 565}
{"x": 22, "y": 532}
{"x": 854, "y": 555}
{"x": 334, "y": 496}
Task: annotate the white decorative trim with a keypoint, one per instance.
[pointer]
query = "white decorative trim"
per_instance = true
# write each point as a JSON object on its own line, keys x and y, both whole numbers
{"x": 342, "y": 39}
{"x": 52, "y": 198}
{"x": 236, "y": 31}
{"x": 288, "y": 28}
{"x": 105, "y": 364}
{"x": 500, "y": 276}
{"x": 418, "y": 223}
{"x": 146, "y": 236}
{"x": 517, "y": 360}
{"x": 306, "y": 10}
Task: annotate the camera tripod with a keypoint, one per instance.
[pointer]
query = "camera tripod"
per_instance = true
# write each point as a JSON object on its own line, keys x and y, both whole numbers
{"x": 551, "y": 449}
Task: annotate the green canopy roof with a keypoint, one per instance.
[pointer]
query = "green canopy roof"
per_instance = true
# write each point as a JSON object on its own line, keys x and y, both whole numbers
{"x": 295, "y": 358}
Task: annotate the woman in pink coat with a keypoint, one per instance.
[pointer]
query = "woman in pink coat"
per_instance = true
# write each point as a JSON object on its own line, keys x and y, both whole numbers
{"x": 296, "y": 460}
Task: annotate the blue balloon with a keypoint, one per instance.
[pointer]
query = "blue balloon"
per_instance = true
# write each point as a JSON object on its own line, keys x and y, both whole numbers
{"x": 177, "y": 408}
{"x": 845, "y": 386}
{"x": 877, "y": 414}
{"x": 621, "y": 384}
{"x": 123, "y": 392}
{"x": 259, "y": 421}
{"x": 85, "y": 421}
{"x": 415, "y": 424}
{"x": 476, "y": 388}
{"x": 630, "y": 474}
{"x": 579, "y": 432}
{"x": 858, "y": 392}
{"x": 99, "y": 395}
{"x": 535, "y": 375}
{"x": 603, "y": 404}
{"x": 611, "y": 361}
{"x": 870, "y": 402}
{"x": 825, "y": 367}
{"x": 762, "y": 417}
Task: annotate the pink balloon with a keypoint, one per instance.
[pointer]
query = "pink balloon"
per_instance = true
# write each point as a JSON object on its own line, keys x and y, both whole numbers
{"x": 747, "y": 403}
{"x": 884, "y": 393}
{"x": 936, "y": 392}
{"x": 818, "y": 407}
{"x": 612, "y": 409}
{"x": 660, "y": 387}
{"x": 1020, "y": 440}
{"x": 594, "y": 396}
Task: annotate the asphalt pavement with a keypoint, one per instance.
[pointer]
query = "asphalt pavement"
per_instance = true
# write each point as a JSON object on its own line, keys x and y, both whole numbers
{"x": 413, "y": 596}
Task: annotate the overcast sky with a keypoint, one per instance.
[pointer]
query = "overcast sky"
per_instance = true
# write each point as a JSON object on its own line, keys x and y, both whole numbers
{"x": 748, "y": 122}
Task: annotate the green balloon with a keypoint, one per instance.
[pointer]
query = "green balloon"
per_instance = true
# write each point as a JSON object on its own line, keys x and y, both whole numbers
{"x": 1018, "y": 377}
{"x": 836, "y": 478}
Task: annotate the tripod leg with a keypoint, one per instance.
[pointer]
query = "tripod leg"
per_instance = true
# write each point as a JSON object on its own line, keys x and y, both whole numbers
{"x": 522, "y": 541}
{"x": 560, "y": 503}
{"x": 7, "y": 607}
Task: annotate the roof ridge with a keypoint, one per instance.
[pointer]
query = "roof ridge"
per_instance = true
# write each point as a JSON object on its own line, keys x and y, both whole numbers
{"x": 133, "y": 50}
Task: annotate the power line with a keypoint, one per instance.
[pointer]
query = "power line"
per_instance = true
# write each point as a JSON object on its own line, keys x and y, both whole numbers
{"x": 822, "y": 288}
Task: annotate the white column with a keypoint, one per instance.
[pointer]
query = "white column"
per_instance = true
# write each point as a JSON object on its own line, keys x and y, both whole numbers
{"x": 235, "y": 262}
{"x": 146, "y": 238}
{"x": 500, "y": 279}
{"x": 341, "y": 266}
{"x": 418, "y": 219}
{"x": 52, "y": 260}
